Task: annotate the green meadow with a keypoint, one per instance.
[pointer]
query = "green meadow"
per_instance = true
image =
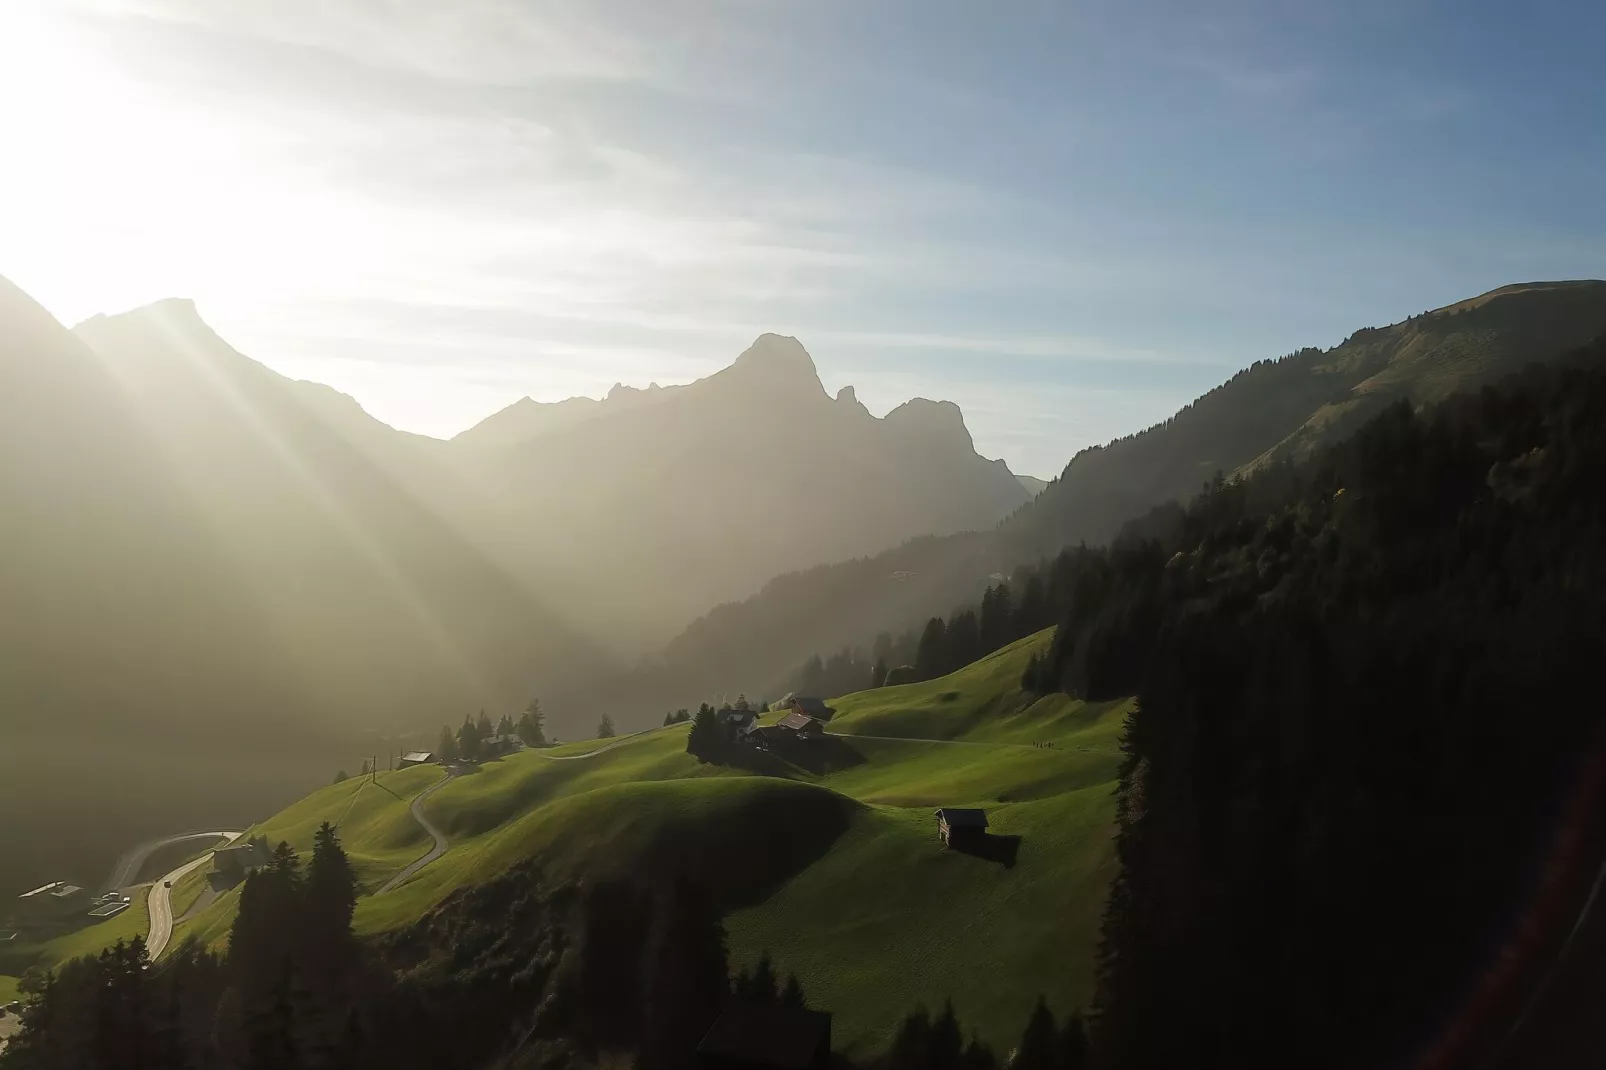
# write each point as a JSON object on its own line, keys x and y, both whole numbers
{"x": 829, "y": 862}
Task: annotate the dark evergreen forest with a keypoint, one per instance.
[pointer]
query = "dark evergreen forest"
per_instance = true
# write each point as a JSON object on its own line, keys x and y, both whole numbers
{"x": 1366, "y": 695}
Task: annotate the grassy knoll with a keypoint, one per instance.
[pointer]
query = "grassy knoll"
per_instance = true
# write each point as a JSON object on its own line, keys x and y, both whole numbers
{"x": 886, "y": 920}
{"x": 8, "y": 989}
{"x": 981, "y": 703}
{"x": 830, "y": 861}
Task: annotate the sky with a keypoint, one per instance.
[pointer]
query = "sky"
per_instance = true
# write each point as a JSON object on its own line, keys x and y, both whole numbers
{"x": 1069, "y": 218}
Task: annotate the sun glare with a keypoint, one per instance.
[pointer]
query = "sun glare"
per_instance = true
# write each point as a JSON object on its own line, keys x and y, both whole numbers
{"x": 113, "y": 194}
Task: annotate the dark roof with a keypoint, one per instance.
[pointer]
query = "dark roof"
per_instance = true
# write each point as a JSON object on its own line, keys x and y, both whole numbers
{"x": 797, "y": 722}
{"x": 243, "y": 855}
{"x": 782, "y": 1037}
{"x": 963, "y": 818}
{"x": 736, "y": 716}
{"x": 810, "y": 705}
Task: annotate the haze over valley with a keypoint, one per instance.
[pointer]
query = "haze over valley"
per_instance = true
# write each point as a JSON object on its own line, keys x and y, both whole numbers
{"x": 691, "y": 535}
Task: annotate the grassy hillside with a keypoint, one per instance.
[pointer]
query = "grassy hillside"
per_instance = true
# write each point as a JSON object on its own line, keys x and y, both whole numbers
{"x": 835, "y": 870}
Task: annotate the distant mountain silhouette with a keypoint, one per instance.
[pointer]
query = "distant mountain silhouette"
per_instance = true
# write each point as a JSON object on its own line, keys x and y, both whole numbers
{"x": 700, "y": 493}
{"x": 206, "y": 566}
{"x": 1033, "y": 485}
{"x": 202, "y": 560}
{"x": 1273, "y": 408}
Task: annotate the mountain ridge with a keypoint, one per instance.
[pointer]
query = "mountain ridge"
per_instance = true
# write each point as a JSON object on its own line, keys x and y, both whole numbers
{"x": 1272, "y": 409}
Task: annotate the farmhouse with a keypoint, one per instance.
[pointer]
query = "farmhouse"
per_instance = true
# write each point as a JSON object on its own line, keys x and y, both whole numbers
{"x": 814, "y": 707}
{"x": 959, "y": 827}
{"x": 749, "y": 1037}
{"x": 417, "y": 757}
{"x": 801, "y": 726}
{"x": 737, "y": 723}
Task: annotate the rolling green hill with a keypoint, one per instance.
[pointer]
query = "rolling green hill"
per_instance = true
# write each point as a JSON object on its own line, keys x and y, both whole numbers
{"x": 835, "y": 869}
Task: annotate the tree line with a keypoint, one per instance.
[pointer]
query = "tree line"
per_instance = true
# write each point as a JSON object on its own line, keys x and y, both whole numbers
{"x": 1359, "y": 681}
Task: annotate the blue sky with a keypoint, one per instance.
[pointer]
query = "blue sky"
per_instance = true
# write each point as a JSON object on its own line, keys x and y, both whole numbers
{"x": 1068, "y": 218}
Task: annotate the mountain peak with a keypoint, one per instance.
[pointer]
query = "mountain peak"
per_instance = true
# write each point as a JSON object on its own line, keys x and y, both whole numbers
{"x": 931, "y": 417}
{"x": 777, "y": 363}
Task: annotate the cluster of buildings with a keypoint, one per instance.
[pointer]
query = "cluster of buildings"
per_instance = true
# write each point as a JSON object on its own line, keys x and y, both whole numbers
{"x": 805, "y": 720}
{"x": 59, "y": 901}
{"x": 490, "y": 747}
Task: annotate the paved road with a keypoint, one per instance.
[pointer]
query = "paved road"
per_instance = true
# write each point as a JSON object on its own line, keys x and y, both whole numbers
{"x": 441, "y": 843}
{"x": 621, "y": 741}
{"x": 160, "y": 900}
{"x": 126, "y": 871}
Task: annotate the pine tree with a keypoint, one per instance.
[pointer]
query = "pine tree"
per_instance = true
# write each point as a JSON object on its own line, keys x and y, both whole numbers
{"x": 978, "y": 1056}
{"x": 1073, "y": 1044}
{"x": 912, "y": 1046}
{"x": 878, "y": 675}
{"x": 532, "y": 726}
{"x": 1039, "y": 1044}
{"x": 932, "y": 657}
{"x": 605, "y": 728}
{"x": 482, "y": 727}
{"x": 447, "y": 745}
{"x": 792, "y": 994}
{"x": 947, "y": 1043}
{"x": 764, "y": 989}
{"x": 704, "y": 742}
{"x": 331, "y": 892}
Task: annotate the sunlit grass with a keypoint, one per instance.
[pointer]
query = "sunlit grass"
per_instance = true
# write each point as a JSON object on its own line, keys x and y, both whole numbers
{"x": 845, "y": 884}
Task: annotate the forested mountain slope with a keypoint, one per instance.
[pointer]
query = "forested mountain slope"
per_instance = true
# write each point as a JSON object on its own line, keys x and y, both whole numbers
{"x": 1349, "y": 808}
{"x": 1273, "y": 409}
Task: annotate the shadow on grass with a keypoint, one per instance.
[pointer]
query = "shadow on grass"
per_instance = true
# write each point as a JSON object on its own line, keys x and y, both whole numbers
{"x": 829, "y": 754}
{"x": 1000, "y": 849}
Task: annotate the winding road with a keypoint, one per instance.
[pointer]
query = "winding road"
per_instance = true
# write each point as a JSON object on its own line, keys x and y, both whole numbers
{"x": 441, "y": 843}
{"x": 126, "y": 871}
{"x": 160, "y": 900}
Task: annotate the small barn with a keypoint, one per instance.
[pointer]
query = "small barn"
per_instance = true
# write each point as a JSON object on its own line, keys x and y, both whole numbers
{"x": 737, "y": 723}
{"x": 751, "y": 1037}
{"x": 814, "y": 707}
{"x": 959, "y": 827}
{"x": 801, "y": 726}
{"x": 417, "y": 757}
{"x": 496, "y": 746}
